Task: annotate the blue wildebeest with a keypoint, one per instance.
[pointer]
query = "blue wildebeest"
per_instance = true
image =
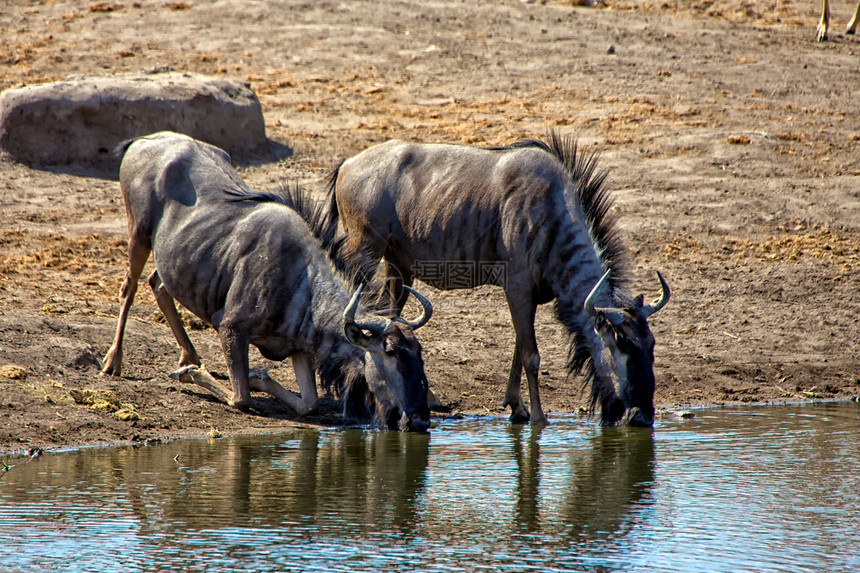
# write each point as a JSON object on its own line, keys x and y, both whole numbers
{"x": 824, "y": 22}
{"x": 250, "y": 266}
{"x": 541, "y": 212}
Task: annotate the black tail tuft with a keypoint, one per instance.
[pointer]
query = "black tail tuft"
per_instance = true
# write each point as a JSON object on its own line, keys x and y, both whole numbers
{"x": 333, "y": 213}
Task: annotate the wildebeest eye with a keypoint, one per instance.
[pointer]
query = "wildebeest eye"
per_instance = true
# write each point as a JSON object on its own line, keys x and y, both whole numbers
{"x": 623, "y": 342}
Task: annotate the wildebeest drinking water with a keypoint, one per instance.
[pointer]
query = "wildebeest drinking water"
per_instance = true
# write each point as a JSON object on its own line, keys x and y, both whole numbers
{"x": 250, "y": 266}
{"x": 532, "y": 217}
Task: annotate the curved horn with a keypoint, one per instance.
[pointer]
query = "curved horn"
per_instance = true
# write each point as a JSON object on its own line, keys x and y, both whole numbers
{"x": 658, "y": 303}
{"x": 426, "y": 312}
{"x": 613, "y": 315}
{"x": 588, "y": 305}
{"x": 349, "y": 313}
{"x": 349, "y": 316}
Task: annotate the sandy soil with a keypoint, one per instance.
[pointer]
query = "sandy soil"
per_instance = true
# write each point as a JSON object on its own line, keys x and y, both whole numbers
{"x": 731, "y": 137}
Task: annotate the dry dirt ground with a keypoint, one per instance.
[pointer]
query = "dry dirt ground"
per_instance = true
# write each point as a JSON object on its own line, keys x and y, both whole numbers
{"x": 730, "y": 135}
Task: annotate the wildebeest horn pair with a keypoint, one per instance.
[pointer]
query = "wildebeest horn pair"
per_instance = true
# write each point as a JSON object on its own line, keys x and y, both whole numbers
{"x": 383, "y": 327}
{"x": 616, "y": 316}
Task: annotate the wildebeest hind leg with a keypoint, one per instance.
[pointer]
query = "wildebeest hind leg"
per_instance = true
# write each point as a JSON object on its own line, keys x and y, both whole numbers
{"x": 397, "y": 278}
{"x": 138, "y": 253}
{"x": 188, "y": 356}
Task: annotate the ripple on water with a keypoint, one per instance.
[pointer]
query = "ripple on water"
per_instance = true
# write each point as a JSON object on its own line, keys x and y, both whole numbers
{"x": 761, "y": 488}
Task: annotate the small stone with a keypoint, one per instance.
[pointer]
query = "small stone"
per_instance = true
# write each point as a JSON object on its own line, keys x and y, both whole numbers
{"x": 126, "y": 415}
{"x": 13, "y": 372}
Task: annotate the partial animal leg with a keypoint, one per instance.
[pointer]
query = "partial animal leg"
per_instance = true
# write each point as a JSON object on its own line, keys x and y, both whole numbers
{"x": 824, "y": 23}
{"x": 304, "y": 404}
{"x": 523, "y": 317}
{"x": 306, "y": 377}
{"x": 397, "y": 277}
{"x": 394, "y": 288}
{"x": 199, "y": 376}
{"x": 397, "y": 300}
{"x": 513, "y": 397}
{"x": 235, "y": 346}
{"x": 188, "y": 355}
{"x": 138, "y": 253}
{"x": 852, "y": 25}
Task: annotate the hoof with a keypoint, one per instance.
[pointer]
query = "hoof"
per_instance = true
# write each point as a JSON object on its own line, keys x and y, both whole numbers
{"x": 519, "y": 416}
{"x": 241, "y": 405}
{"x": 112, "y": 364}
{"x": 111, "y": 370}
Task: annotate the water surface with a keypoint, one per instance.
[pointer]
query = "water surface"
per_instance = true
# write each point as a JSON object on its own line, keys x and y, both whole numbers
{"x": 753, "y": 489}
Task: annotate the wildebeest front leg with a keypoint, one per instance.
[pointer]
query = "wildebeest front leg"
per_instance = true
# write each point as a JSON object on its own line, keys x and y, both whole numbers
{"x": 523, "y": 316}
{"x": 188, "y": 355}
{"x": 194, "y": 375}
{"x": 309, "y": 399}
{"x": 513, "y": 397}
{"x": 235, "y": 346}
{"x": 138, "y": 253}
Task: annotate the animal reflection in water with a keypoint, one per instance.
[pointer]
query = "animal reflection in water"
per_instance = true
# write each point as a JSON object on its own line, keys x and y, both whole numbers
{"x": 348, "y": 484}
{"x": 251, "y": 266}
{"x": 605, "y": 480}
{"x": 533, "y": 217}
{"x": 348, "y": 480}
{"x": 343, "y": 480}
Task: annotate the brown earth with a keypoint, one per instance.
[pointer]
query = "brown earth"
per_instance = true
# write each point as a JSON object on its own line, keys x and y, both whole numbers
{"x": 731, "y": 137}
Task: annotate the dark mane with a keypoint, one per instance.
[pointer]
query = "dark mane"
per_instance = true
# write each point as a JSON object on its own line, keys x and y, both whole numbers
{"x": 353, "y": 267}
{"x": 596, "y": 204}
{"x": 595, "y": 200}
{"x": 299, "y": 201}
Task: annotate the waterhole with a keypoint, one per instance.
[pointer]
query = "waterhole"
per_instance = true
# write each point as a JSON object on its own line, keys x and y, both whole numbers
{"x": 752, "y": 489}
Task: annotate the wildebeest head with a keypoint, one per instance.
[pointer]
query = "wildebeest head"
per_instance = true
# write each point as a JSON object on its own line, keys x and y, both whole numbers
{"x": 393, "y": 368}
{"x": 624, "y": 365}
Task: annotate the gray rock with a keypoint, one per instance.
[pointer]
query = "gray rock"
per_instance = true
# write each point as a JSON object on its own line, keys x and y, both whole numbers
{"x": 80, "y": 120}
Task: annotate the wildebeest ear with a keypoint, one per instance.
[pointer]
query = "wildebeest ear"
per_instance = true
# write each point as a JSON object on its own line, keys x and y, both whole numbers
{"x": 639, "y": 301}
{"x": 356, "y": 336}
